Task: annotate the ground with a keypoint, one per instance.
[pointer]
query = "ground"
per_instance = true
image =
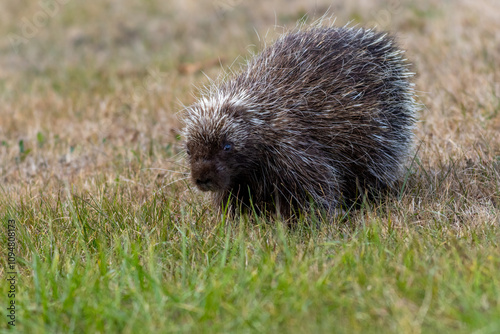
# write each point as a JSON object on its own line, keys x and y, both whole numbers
{"x": 104, "y": 232}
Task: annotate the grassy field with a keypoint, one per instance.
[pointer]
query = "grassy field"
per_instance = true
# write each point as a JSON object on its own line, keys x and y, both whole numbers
{"x": 111, "y": 237}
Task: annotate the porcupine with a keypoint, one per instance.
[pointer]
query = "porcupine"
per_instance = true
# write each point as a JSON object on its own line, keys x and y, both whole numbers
{"x": 321, "y": 116}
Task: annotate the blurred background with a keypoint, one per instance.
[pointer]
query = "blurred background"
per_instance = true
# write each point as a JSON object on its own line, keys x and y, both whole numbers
{"x": 123, "y": 35}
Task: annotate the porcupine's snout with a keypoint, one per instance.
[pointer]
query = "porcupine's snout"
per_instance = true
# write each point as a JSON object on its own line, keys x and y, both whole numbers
{"x": 203, "y": 176}
{"x": 207, "y": 176}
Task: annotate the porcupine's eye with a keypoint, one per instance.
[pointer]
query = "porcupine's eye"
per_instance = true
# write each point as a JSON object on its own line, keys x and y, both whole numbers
{"x": 227, "y": 147}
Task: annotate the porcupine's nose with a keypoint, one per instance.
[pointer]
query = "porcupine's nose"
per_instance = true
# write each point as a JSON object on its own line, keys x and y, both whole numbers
{"x": 203, "y": 181}
{"x": 203, "y": 175}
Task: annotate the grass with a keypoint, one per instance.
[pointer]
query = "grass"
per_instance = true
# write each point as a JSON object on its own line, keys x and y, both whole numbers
{"x": 105, "y": 263}
{"x": 111, "y": 237}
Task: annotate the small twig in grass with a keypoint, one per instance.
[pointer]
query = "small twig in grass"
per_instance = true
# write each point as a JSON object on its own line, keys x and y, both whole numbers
{"x": 166, "y": 170}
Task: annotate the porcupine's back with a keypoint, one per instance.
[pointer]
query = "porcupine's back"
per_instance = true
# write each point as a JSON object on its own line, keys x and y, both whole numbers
{"x": 323, "y": 113}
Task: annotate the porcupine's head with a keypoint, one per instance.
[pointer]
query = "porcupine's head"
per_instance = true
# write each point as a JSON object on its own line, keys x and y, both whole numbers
{"x": 219, "y": 146}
